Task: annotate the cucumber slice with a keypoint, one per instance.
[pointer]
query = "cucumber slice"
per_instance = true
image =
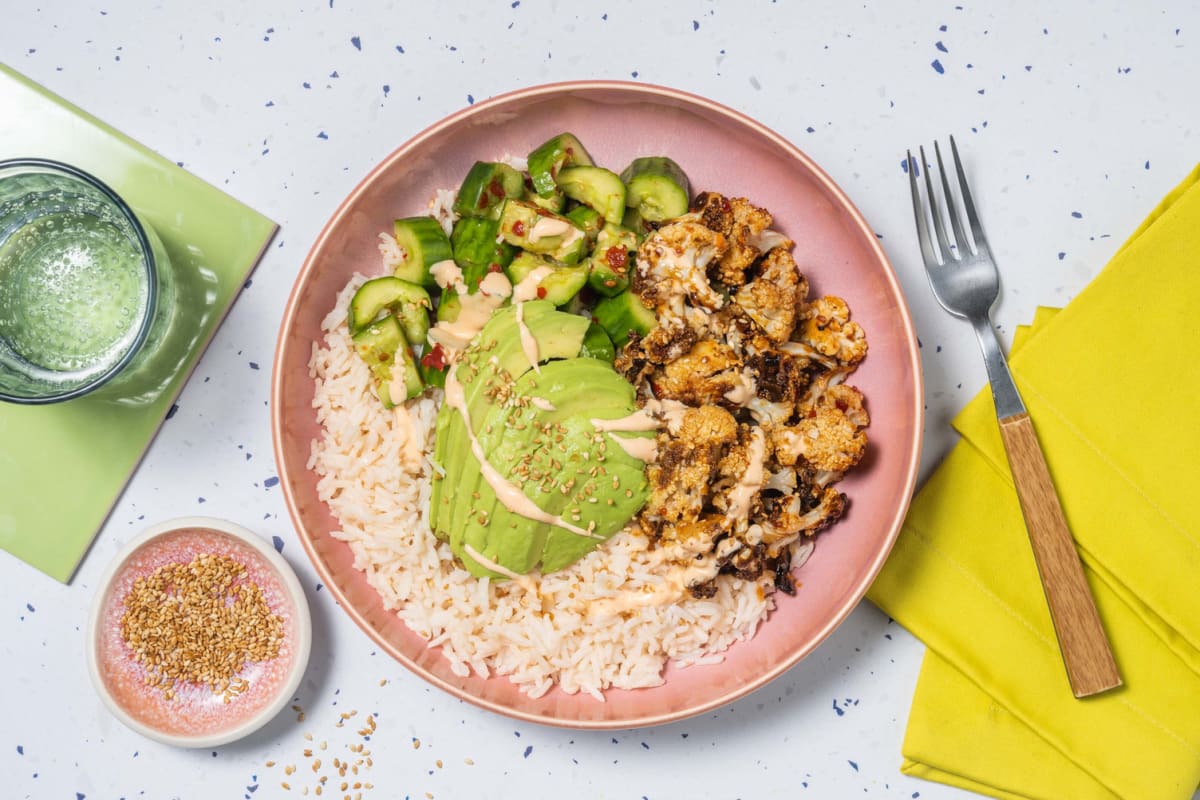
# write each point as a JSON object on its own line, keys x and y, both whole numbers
{"x": 562, "y": 284}
{"x": 556, "y": 201}
{"x": 449, "y": 306}
{"x": 656, "y": 187}
{"x": 609, "y": 265}
{"x": 476, "y": 250}
{"x": 424, "y": 244}
{"x": 407, "y": 301}
{"x": 622, "y": 314}
{"x": 537, "y": 231}
{"x": 597, "y": 344}
{"x": 383, "y": 347}
{"x": 433, "y": 367}
{"x": 544, "y": 162}
{"x": 596, "y": 187}
{"x": 487, "y": 185}
{"x": 586, "y": 219}
{"x": 633, "y": 221}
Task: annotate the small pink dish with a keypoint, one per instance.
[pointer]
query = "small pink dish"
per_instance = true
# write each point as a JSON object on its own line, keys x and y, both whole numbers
{"x": 195, "y": 716}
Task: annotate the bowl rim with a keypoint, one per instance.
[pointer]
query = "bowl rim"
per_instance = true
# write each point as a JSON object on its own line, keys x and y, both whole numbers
{"x": 149, "y": 263}
{"x": 302, "y": 627}
{"x": 650, "y": 93}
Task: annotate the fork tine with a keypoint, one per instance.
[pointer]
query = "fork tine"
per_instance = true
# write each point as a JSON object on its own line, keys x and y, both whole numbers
{"x": 919, "y": 212}
{"x": 968, "y": 204}
{"x": 935, "y": 212}
{"x": 951, "y": 210}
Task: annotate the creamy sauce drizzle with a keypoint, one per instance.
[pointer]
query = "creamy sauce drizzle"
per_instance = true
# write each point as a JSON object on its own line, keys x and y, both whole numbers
{"x": 527, "y": 288}
{"x": 475, "y": 309}
{"x": 549, "y": 226}
{"x": 508, "y": 493}
{"x": 542, "y": 403}
{"x": 744, "y": 391}
{"x": 654, "y": 415}
{"x": 487, "y": 563}
{"x": 639, "y": 447}
{"x": 751, "y": 481}
{"x": 529, "y": 344}
{"x": 413, "y": 449}
{"x": 446, "y": 273}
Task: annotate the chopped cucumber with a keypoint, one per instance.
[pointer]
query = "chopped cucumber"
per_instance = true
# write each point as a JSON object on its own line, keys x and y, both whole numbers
{"x": 608, "y": 268}
{"x": 383, "y": 347}
{"x": 449, "y": 306}
{"x": 596, "y": 187}
{"x": 485, "y": 188}
{"x": 424, "y": 244}
{"x": 559, "y": 286}
{"x": 556, "y": 201}
{"x": 476, "y": 251}
{"x": 597, "y": 344}
{"x": 633, "y": 221}
{"x": 407, "y": 301}
{"x": 586, "y": 219}
{"x": 623, "y": 314}
{"x": 546, "y": 160}
{"x": 537, "y": 231}
{"x": 656, "y": 187}
{"x": 433, "y": 367}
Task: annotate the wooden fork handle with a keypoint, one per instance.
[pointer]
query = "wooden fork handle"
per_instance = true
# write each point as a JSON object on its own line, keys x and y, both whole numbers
{"x": 1085, "y": 648}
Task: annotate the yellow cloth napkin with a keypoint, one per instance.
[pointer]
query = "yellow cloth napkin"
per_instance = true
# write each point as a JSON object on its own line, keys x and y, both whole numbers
{"x": 1111, "y": 383}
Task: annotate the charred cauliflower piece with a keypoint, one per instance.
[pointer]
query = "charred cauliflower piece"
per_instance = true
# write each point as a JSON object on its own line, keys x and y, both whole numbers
{"x": 746, "y": 228}
{"x": 787, "y": 518}
{"x": 827, "y": 329}
{"x": 774, "y": 298}
{"x": 702, "y": 376}
{"x": 829, "y": 437}
{"x": 687, "y": 460}
{"x": 671, "y": 268}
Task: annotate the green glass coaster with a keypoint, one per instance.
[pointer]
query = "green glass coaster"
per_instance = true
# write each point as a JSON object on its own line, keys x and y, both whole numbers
{"x": 63, "y": 466}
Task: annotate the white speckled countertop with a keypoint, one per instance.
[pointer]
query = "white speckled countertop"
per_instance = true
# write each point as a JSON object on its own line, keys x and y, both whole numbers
{"x": 1075, "y": 118}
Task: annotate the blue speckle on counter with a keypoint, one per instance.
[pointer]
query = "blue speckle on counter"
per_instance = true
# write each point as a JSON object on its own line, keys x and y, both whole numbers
{"x": 1147, "y": 165}
{"x": 323, "y": 135}
{"x": 271, "y": 482}
{"x": 528, "y": 750}
{"x": 30, "y": 607}
{"x": 645, "y": 746}
{"x": 937, "y": 67}
{"x": 354, "y": 40}
{"x": 853, "y": 764}
{"x": 275, "y": 540}
{"x": 470, "y": 100}
{"x": 810, "y": 129}
{"x": 1061, "y": 255}
{"x": 941, "y": 46}
{"x": 516, "y": 3}
{"x": 634, "y": 73}
{"x": 306, "y": 85}
{"x": 20, "y": 750}
{"x": 1076, "y": 215}
{"x": 201, "y": 500}
{"x": 254, "y": 364}
{"x": 399, "y": 49}
{"x": 334, "y": 74}
{"x": 695, "y": 25}
{"x": 386, "y": 90}
{"x": 171, "y": 411}
{"x": 942, "y": 28}
{"x": 840, "y": 711}
{"x": 80, "y": 796}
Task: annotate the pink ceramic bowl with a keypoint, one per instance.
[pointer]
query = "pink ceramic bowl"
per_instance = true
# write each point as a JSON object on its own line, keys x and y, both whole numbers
{"x": 719, "y": 149}
{"x": 195, "y": 716}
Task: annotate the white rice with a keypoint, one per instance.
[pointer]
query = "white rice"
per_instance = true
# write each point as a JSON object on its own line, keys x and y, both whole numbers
{"x": 575, "y": 628}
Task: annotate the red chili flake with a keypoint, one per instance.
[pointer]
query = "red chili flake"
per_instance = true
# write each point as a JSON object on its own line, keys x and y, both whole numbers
{"x": 494, "y": 267}
{"x": 518, "y": 228}
{"x": 617, "y": 258}
{"x": 483, "y": 200}
{"x": 385, "y": 357}
{"x": 434, "y": 358}
{"x": 541, "y": 292}
{"x": 496, "y": 188}
{"x": 841, "y": 405}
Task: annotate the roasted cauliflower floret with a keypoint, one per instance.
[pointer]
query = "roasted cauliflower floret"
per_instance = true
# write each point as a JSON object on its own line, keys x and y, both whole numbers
{"x": 827, "y": 329}
{"x": 786, "y": 518}
{"x": 702, "y": 376}
{"x": 671, "y": 268}
{"x": 774, "y": 298}
{"x": 745, "y": 227}
{"x": 827, "y": 438}
{"x": 687, "y": 460}
{"x": 667, "y": 341}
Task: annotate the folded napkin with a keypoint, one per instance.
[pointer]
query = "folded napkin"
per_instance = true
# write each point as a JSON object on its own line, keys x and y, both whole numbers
{"x": 1111, "y": 383}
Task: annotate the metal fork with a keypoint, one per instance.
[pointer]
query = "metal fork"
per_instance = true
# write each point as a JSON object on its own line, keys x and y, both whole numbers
{"x": 966, "y": 283}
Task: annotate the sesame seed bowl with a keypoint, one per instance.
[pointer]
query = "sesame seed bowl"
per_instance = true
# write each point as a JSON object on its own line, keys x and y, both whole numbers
{"x": 198, "y": 634}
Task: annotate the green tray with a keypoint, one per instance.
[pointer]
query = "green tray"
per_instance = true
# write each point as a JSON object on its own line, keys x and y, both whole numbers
{"x": 62, "y": 467}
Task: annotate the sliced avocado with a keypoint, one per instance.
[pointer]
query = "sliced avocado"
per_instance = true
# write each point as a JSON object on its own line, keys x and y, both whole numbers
{"x": 499, "y": 354}
{"x": 557, "y": 446}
